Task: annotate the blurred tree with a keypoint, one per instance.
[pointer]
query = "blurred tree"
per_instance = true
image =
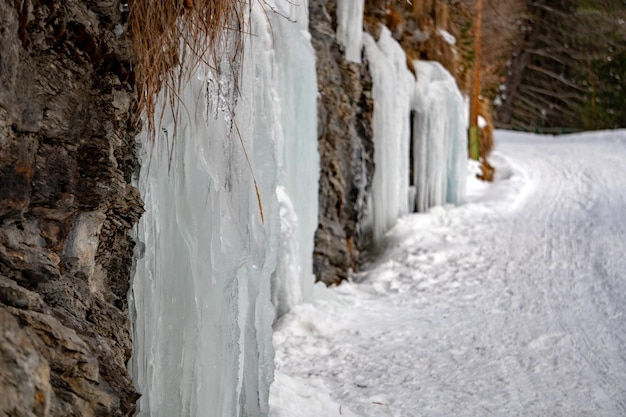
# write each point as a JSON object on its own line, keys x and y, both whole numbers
{"x": 606, "y": 107}
{"x": 561, "y": 72}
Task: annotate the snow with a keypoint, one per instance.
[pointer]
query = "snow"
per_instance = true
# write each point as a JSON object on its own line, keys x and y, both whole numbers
{"x": 207, "y": 261}
{"x": 439, "y": 138}
{"x": 510, "y": 305}
{"x": 447, "y": 36}
{"x": 482, "y": 123}
{"x": 297, "y": 393}
{"x": 350, "y": 28}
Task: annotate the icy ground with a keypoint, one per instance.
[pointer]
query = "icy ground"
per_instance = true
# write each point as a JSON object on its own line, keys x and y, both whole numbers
{"x": 511, "y": 305}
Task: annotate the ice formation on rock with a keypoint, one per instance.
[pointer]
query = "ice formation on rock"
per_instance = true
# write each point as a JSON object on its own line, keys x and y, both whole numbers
{"x": 350, "y": 28}
{"x": 392, "y": 90}
{"x": 202, "y": 290}
{"x": 295, "y": 109}
{"x": 439, "y": 138}
{"x": 216, "y": 262}
{"x": 438, "y": 135}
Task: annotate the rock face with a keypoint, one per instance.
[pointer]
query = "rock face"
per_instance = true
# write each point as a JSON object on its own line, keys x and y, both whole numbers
{"x": 66, "y": 206}
{"x": 346, "y": 149}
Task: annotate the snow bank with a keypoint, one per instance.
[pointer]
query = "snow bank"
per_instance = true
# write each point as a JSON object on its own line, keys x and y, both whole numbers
{"x": 207, "y": 259}
{"x": 304, "y": 398}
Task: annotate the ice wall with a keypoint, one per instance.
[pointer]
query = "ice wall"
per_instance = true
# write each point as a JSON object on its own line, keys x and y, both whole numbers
{"x": 350, "y": 28}
{"x": 202, "y": 290}
{"x": 439, "y": 138}
{"x": 295, "y": 107}
{"x": 392, "y": 91}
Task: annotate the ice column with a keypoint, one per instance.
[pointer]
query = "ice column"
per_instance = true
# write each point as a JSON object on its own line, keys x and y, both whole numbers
{"x": 439, "y": 138}
{"x": 295, "y": 106}
{"x": 350, "y": 28}
{"x": 295, "y": 10}
{"x": 393, "y": 88}
{"x": 201, "y": 294}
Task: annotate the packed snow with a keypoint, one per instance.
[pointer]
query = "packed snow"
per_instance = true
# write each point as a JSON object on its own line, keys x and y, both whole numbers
{"x": 511, "y": 305}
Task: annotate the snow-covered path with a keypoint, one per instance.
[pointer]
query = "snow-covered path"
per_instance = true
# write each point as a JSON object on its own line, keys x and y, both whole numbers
{"x": 511, "y": 305}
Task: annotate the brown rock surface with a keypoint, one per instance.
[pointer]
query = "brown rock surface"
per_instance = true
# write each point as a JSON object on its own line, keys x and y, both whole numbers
{"x": 66, "y": 206}
{"x": 346, "y": 149}
{"x": 25, "y": 376}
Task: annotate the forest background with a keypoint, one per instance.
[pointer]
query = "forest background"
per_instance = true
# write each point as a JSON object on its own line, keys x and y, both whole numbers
{"x": 549, "y": 66}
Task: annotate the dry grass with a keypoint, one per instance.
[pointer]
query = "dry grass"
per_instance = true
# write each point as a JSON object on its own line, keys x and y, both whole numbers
{"x": 171, "y": 37}
{"x": 166, "y": 33}
{"x": 437, "y": 49}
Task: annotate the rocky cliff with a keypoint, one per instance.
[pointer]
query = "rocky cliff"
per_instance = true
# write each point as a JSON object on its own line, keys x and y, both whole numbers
{"x": 66, "y": 206}
{"x": 345, "y": 111}
{"x": 346, "y": 149}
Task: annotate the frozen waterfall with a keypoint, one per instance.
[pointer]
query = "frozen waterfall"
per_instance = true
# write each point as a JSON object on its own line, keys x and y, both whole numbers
{"x": 295, "y": 135}
{"x": 439, "y": 138}
{"x": 350, "y": 28}
{"x": 392, "y": 90}
{"x": 433, "y": 99}
{"x": 208, "y": 264}
{"x": 215, "y": 261}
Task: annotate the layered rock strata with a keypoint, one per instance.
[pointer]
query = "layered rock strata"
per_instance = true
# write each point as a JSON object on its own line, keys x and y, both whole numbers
{"x": 66, "y": 206}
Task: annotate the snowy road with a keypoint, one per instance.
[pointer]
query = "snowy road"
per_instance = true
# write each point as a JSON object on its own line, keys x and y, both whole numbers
{"x": 511, "y": 305}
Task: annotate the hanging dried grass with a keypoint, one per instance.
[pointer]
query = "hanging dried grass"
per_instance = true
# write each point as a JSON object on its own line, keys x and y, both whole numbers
{"x": 167, "y": 32}
{"x": 171, "y": 37}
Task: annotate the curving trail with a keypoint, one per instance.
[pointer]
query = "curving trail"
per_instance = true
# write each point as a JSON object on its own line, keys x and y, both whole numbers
{"x": 511, "y": 305}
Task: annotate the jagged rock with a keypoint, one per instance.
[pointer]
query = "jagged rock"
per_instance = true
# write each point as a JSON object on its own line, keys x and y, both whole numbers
{"x": 346, "y": 149}
{"x": 66, "y": 159}
{"x": 24, "y": 374}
